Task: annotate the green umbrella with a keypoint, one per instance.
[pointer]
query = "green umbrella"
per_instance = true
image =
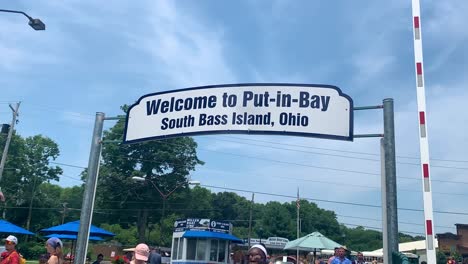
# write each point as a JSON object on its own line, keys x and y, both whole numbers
{"x": 312, "y": 242}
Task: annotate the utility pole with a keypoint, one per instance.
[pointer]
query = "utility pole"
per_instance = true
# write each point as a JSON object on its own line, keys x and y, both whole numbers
{"x": 33, "y": 193}
{"x": 298, "y": 206}
{"x": 8, "y": 140}
{"x": 250, "y": 218}
{"x": 64, "y": 213}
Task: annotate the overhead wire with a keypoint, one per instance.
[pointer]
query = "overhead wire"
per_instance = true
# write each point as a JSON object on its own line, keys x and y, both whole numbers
{"x": 337, "y": 155}
{"x": 380, "y": 220}
{"x": 340, "y": 150}
{"x": 331, "y": 201}
{"x": 294, "y": 163}
{"x": 380, "y": 229}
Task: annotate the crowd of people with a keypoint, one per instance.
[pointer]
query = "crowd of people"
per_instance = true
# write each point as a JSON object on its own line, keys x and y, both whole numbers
{"x": 54, "y": 255}
{"x": 257, "y": 254}
{"x": 11, "y": 256}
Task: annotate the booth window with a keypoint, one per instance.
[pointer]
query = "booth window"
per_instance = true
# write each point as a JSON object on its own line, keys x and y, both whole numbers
{"x": 181, "y": 245}
{"x": 175, "y": 247}
{"x": 222, "y": 251}
{"x": 214, "y": 250}
{"x": 218, "y": 250}
{"x": 201, "y": 247}
{"x": 191, "y": 248}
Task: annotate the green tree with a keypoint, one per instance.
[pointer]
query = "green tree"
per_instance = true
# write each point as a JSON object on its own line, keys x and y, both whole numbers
{"x": 441, "y": 257}
{"x": 165, "y": 165}
{"x": 361, "y": 239}
{"x": 314, "y": 219}
{"x": 230, "y": 206}
{"x": 198, "y": 203}
{"x": 275, "y": 221}
{"x": 126, "y": 236}
{"x": 30, "y": 157}
{"x": 71, "y": 199}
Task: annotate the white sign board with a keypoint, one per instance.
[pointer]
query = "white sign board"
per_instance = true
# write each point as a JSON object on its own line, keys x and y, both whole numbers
{"x": 288, "y": 109}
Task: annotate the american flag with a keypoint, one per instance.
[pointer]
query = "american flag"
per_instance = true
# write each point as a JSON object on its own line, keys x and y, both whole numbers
{"x": 2, "y": 197}
{"x": 298, "y": 201}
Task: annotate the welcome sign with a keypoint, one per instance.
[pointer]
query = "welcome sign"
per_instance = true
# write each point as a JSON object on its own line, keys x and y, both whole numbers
{"x": 288, "y": 109}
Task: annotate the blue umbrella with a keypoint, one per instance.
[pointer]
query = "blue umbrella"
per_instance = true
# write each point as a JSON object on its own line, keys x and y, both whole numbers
{"x": 72, "y": 228}
{"x": 73, "y": 237}
{"x": 7, "y": 227}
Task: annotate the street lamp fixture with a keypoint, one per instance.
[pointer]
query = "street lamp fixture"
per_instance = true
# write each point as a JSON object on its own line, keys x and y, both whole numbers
{"x": 15, "y": 169}
{"x": 141, "y": 179}
{"x": 194, "y": 183}
{"x": 35, "y": 23}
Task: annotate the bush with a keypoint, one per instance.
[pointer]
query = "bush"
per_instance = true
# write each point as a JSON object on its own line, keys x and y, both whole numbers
{"x": 32, "y": 250}
{"x": 441, "y": 258}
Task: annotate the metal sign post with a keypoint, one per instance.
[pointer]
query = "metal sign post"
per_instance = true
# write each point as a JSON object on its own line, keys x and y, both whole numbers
{"x": 389, "y": 189}
{"x": 390, "y": 204}
{"x": 90, "y": 190}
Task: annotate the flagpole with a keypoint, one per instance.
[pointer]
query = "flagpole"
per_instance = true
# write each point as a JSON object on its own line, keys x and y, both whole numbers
{"x": 297, "y": 224}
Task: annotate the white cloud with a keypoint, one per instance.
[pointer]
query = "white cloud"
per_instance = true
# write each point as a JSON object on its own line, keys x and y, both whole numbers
{"x": 446, "y": 19}
{"x": 182, "y": 48}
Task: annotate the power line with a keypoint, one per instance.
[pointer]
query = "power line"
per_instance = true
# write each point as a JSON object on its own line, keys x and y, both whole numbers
{"x": 339, "y": 150}
{"x": 380, "y": 229}
{"x": 272, "y": 160}
{"x": 380, "y": 220}
{"x": 68, "y": 165}
{"x": 297, "y": 164}
{"x": 337, "y": 155}
{"x": 364, "y": 186}
{"x": 72, "y": 178}
{"x": 332, "y": 201}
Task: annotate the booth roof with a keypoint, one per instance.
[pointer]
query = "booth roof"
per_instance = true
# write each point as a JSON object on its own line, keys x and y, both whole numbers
{"x": 208, "y": 234}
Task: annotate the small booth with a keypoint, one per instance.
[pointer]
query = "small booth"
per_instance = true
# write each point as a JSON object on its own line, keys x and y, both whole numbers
{"x": 197, "y": 240}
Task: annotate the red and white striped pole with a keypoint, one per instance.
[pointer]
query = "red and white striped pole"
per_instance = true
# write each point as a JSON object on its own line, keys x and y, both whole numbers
{"x": 423, "y": 139}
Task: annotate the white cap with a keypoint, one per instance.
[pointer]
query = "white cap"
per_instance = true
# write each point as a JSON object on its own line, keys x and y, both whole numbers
{"x": 12, "y": 239}
{"x": 261, "y": 247}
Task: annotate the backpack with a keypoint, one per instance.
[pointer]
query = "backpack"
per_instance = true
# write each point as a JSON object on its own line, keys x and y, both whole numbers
{"x": 22, "y": 260}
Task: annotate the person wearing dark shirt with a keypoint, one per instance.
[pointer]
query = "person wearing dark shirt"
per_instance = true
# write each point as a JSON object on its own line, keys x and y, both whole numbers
{"x": 154, "y": 257}
{"x": 100, "y": 257}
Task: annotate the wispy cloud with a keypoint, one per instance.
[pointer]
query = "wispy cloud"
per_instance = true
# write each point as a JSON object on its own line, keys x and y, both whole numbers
{"x": 182, "y": 48}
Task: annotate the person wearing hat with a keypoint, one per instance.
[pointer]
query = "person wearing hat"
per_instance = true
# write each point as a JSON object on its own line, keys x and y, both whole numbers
{"x": 341, "y": 257}
{"x": 141, "y": 254}
{"x": 11, "y": 256}
{"x": 258, "y": 254}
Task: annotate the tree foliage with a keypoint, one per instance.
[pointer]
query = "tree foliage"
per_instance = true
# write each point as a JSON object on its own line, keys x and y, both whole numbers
{"x": 164, "y": 164}
{"x": 28, "y": 171}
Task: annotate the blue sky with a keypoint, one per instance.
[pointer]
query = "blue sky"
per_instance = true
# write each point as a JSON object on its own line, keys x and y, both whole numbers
{"x": 96, "y": 56}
